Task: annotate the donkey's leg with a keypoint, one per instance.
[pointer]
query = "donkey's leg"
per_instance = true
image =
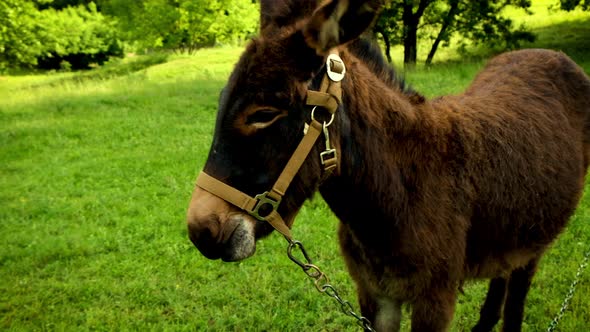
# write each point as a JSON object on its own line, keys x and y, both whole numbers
{"x": 518, "y": 287}
{"x": 368, "y": 304}
{"x": 384, "y": 314}
{"x": 492, "y": 308}
{"x": 434, "y": 311}
{"x": 389, "y": 315}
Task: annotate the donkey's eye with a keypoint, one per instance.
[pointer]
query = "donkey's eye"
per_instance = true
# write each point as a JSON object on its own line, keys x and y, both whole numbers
{"x": 264, "y": 117}
{"x": 257, "y": 117}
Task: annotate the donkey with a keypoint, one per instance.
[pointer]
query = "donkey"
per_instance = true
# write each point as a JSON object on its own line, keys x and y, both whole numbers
{"x": 429, "y": 193}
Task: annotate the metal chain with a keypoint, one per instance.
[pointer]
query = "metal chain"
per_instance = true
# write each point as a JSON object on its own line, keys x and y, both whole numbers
{"x": 570, "y": 293}
{"x": 322, "y": 283}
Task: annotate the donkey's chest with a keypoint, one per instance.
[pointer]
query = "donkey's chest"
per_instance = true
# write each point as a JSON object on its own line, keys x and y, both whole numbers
{"x": 400, "y": 270}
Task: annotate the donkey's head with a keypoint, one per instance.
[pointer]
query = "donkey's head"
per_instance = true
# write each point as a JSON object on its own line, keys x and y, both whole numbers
{"x": 262, "y": 114}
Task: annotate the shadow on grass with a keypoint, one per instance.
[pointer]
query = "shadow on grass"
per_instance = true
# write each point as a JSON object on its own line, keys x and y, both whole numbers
{"x": 112, "y": 69}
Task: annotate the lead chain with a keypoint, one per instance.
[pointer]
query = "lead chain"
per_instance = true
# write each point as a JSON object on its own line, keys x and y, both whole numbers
{"x": 322, "y": 284}
{"x": 570, "y": 293}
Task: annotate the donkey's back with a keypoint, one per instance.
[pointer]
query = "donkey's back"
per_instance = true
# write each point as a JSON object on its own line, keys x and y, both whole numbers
{"x": 521, "y": 139}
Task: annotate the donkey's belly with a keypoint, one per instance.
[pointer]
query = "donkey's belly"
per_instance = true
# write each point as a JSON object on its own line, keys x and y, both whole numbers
{"x": 500, "y": 242}
{"x": 500, "y": 265}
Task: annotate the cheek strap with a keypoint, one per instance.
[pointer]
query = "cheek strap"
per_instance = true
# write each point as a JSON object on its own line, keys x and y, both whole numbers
{"x": 265, "y": 206}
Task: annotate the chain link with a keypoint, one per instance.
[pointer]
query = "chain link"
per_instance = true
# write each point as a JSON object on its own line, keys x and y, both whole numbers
{"x": 322, "y": 283}
{"x": 570, "y": 293}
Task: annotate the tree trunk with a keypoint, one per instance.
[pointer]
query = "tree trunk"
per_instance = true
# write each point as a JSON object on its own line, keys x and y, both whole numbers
{"x": 443, "y": 30}
{"x": 387, "y": 48}
{"x": 411, "y": 21}
{"x": 410, "y": 45}
{"x": 387, "y": 43}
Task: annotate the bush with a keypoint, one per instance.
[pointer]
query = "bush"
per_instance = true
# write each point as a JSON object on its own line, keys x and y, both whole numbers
{"x": 49, "y": 38}
{"x": 184, "y": 25}
{"x": 19, "y": 42}
{"x": 79, "y": 35}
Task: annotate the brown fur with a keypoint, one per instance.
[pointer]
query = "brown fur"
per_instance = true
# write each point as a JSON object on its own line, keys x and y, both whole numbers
{"x": 429, "y": 192}
{"x": 470, "y": 186}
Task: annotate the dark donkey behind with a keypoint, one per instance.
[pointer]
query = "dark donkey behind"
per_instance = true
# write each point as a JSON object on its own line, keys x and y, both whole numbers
{"x": 429, "y": 192}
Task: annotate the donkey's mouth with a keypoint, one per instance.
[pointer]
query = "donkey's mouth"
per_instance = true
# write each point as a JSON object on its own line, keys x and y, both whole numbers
{"x": 241, "y": 243}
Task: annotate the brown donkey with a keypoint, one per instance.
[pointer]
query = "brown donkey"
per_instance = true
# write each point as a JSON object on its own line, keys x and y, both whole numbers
{"x": 429, "y": 192}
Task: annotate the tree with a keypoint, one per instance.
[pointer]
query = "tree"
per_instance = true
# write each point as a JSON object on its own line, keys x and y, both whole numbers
{"x": 77, "y": 37}
{"x": 411, "y": 16}
{"x": 73, "y": 36}
{"x": 572, "y": 4}
{"x": 210, "y": 22}
{"x": 183, "y": 24}
{"x": 405, "y": 21}
{"x": 19, "y": 45}
{"x": 149, "y": 23}
{"x": 387, "y": 27}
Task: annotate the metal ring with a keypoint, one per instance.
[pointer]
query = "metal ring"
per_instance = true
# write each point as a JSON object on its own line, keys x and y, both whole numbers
{"x": 325, "y": 124}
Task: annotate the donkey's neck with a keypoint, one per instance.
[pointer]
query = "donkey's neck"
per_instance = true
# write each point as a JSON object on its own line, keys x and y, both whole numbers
{"x": 387, "y": 137}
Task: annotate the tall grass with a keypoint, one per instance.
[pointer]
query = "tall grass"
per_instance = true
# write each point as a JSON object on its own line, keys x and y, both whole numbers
{"x": 96, "y": 171}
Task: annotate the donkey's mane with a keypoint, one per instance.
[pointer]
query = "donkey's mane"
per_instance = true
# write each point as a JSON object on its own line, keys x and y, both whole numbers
{"x": 370, "y": 53}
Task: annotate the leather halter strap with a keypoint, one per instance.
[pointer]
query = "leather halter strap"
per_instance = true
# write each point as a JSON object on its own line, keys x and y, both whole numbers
{"x": 264, "y": 206}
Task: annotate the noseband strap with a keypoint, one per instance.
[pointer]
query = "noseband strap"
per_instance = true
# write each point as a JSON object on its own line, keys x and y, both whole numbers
{"x": 264, "y": 206}
{"x": 257, "y": 206}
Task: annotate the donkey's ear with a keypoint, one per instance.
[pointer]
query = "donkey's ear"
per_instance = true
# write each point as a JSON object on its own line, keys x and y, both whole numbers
{"x": 275, "y": 14}
{"x": 337, "y": 22}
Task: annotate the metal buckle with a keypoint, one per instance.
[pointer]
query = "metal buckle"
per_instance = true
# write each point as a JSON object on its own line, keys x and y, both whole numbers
{"x": 263, "y": 200}
{"x": 329, "y": 157}
{"x": 334, "y": 75}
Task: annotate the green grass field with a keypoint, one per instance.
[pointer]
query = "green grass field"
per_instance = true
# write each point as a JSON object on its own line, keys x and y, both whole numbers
{"x": 96, "y": 171}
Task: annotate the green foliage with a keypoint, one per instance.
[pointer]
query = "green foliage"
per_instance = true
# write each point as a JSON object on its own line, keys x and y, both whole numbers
{"x": 49, "y": 38}
{"x": 403, "y": 22}
{"x": 79, "y": 35}
{"x": 150, "y": 23}
{"x": 389, "y": 28}
{"x": 184, "y": 24}
{"x": 482, "y": 22}
{"x": 572, "y": 4}
{"x": 19, "y": 26}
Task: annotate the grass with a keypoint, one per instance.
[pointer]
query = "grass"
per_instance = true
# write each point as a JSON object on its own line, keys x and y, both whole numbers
{"x": 96, "y": 171}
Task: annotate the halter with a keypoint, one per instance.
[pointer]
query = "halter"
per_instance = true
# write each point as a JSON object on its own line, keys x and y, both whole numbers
{"x": 264, "y": 207}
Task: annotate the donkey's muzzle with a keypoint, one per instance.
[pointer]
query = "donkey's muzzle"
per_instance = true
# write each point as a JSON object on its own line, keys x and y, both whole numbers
{"x": 218, "y": 229}
{"x": 204, "y": 236}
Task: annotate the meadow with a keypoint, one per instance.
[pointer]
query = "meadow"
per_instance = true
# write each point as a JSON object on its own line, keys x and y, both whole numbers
{"x": 96, "y": 172}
